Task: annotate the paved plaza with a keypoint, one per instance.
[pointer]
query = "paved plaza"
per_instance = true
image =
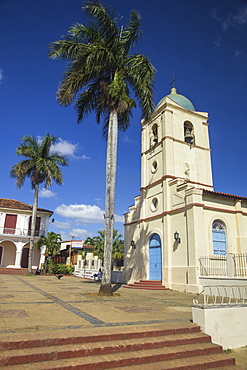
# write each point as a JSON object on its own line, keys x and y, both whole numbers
{"x": 43, "y": 306}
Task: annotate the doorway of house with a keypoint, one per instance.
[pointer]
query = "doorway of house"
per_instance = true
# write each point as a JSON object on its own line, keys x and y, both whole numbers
{"x": 24, "y": 257}
{"x": 1, "y": 253}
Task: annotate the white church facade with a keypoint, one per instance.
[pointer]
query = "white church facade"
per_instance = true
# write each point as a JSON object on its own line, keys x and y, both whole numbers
{"x": 178, "y": 217}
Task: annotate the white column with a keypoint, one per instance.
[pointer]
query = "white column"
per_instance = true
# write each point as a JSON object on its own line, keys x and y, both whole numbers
{"x": 19, "y": 245}
{"x": 96, "y": 262}
{"x": 79, "y": 259}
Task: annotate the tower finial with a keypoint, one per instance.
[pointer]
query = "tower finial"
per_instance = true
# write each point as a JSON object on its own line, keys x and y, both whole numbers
{"x": 173, "y": 81}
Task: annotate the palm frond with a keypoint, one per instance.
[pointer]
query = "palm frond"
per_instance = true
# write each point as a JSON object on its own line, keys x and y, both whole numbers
{"x": 86, "y": 103}
{"x": 45, "y": 145}
{"x": 140, "y": 75}
{"x": 104, "y": 20}
{"x": 84, "y": 34}
{"x": 132, "y": 32}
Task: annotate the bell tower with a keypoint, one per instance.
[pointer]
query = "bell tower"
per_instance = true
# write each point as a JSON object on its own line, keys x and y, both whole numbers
{"x": 175, "y": 145}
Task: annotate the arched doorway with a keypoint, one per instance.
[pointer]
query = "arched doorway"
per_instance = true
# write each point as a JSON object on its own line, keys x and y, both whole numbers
{"x": 8, "y": 254}
{"x": 24, "y": 257}
{"x": 1, "y": 253}
{"x": 155, "y": 265}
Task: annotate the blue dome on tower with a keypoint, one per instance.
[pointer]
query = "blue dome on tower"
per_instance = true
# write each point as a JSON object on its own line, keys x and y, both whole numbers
{"x": 179, "y": 99}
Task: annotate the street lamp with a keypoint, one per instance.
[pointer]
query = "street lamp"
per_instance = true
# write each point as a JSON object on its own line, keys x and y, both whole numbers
{"x": 176, "y": 237}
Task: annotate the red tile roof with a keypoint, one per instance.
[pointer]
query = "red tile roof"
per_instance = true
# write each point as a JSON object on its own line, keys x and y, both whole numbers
{"x": 16, "y": 204}
{"x": 223, "y": 195}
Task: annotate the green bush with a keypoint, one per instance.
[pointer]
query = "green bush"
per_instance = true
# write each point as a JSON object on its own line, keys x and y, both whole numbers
{"x": 54, "y": 268}
{"x": 71, "y": 269}
{"x": 63, "y": 269}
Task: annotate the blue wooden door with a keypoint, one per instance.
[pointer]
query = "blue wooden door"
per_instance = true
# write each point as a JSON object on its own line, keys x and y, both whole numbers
{"x": 155, "y": 258}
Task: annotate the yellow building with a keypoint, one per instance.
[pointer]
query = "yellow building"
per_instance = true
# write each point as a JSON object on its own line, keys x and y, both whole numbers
{"x": 178, "y": 217}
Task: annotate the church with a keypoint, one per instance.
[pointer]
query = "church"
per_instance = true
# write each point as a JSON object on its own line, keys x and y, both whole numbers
{"x": 178, "y": 217}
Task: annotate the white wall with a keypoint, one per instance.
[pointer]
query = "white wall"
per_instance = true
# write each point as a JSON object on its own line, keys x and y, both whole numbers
{"x": 226, "y": 325}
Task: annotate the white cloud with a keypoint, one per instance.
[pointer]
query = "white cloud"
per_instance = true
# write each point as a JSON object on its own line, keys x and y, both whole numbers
{"x": 238, "y": 54}
{"x": 67, "y": 148}
{"x": 62, "y": 225}
{"x": 231, "y": 20}
{"x": 126, "y": 139}
{"x": 80, "y": 233}
{"x": 218, "y": 41}
{"x": 77, "y": 233}
{"x": 119, "y": 218}
{"x": 46, "y": 193}
{"x": 84, "y": 213}
{"x": 1, "y": 75}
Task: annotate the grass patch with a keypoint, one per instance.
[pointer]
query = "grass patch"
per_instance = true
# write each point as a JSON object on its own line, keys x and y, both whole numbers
{"x": 227, "y": 351}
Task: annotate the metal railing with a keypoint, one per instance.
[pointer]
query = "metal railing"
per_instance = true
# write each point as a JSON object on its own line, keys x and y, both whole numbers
{"x": 221, "y": 295}
{"x": 19, "y": 231}
{"x": 230, "y": 265}
{"x": 240, "y": 261}
{"x": 213, "y": 266}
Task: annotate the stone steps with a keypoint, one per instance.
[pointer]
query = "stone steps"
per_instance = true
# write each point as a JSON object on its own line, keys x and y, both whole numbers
{"x": 147, "y": 285}
{"x": 164, "y": 347}
{"x": 14, "y": 271}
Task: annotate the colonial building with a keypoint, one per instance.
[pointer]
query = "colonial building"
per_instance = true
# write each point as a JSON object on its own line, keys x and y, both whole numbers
{"x": 178, "y": 217}
{"x": 15, "y": 231}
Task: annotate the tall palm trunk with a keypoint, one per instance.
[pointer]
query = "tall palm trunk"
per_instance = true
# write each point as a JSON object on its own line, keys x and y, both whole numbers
{"x": 111, "y": 168}
{"x": 33, "y": 224}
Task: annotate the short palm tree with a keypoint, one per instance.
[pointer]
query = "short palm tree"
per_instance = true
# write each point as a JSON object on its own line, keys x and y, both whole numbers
{"x": 99, "y": 78}
{"x": 41, "y": 165}
{"x": 51, "y": 242}
{"x": 98, "y": 243}
{"x": 118, "y": 246}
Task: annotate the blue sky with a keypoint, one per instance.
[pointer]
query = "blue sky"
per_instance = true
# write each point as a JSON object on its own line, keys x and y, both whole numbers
{"x": 203, "y": 43}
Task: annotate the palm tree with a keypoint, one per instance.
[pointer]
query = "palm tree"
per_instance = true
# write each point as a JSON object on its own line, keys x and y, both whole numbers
{"x": 40, "y": 165}
{"x": 51, "y": 242}
{"x": 98, "y": 243}
{"x": 117, "y": 246}
{"x": 99, "y": 78}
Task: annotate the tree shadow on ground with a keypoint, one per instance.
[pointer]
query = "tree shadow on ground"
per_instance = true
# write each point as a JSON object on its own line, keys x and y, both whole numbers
{"x": 116, "y": 287}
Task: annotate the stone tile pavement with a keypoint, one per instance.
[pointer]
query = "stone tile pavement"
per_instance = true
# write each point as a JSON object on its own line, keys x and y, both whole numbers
{"x": 43, "y": 306}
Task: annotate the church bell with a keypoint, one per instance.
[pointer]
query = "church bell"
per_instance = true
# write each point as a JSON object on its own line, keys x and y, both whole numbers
{"x": 189, "y": 137}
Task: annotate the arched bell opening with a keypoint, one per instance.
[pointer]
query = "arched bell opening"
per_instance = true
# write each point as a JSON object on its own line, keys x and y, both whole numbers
{"x": 189, "y": 136}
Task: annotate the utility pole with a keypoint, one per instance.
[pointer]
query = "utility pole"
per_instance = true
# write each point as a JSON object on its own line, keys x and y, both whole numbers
{"x": 70, "y": 249}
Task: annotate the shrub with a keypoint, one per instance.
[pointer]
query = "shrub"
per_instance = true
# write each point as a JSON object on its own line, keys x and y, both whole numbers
{"x": 63, "y": 269}
{"x": 54, "y": 268}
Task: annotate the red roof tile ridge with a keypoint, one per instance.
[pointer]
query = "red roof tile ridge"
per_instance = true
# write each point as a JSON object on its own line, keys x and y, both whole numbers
{"x": 212, "y": 192}
{"x": 16, "y": 204}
